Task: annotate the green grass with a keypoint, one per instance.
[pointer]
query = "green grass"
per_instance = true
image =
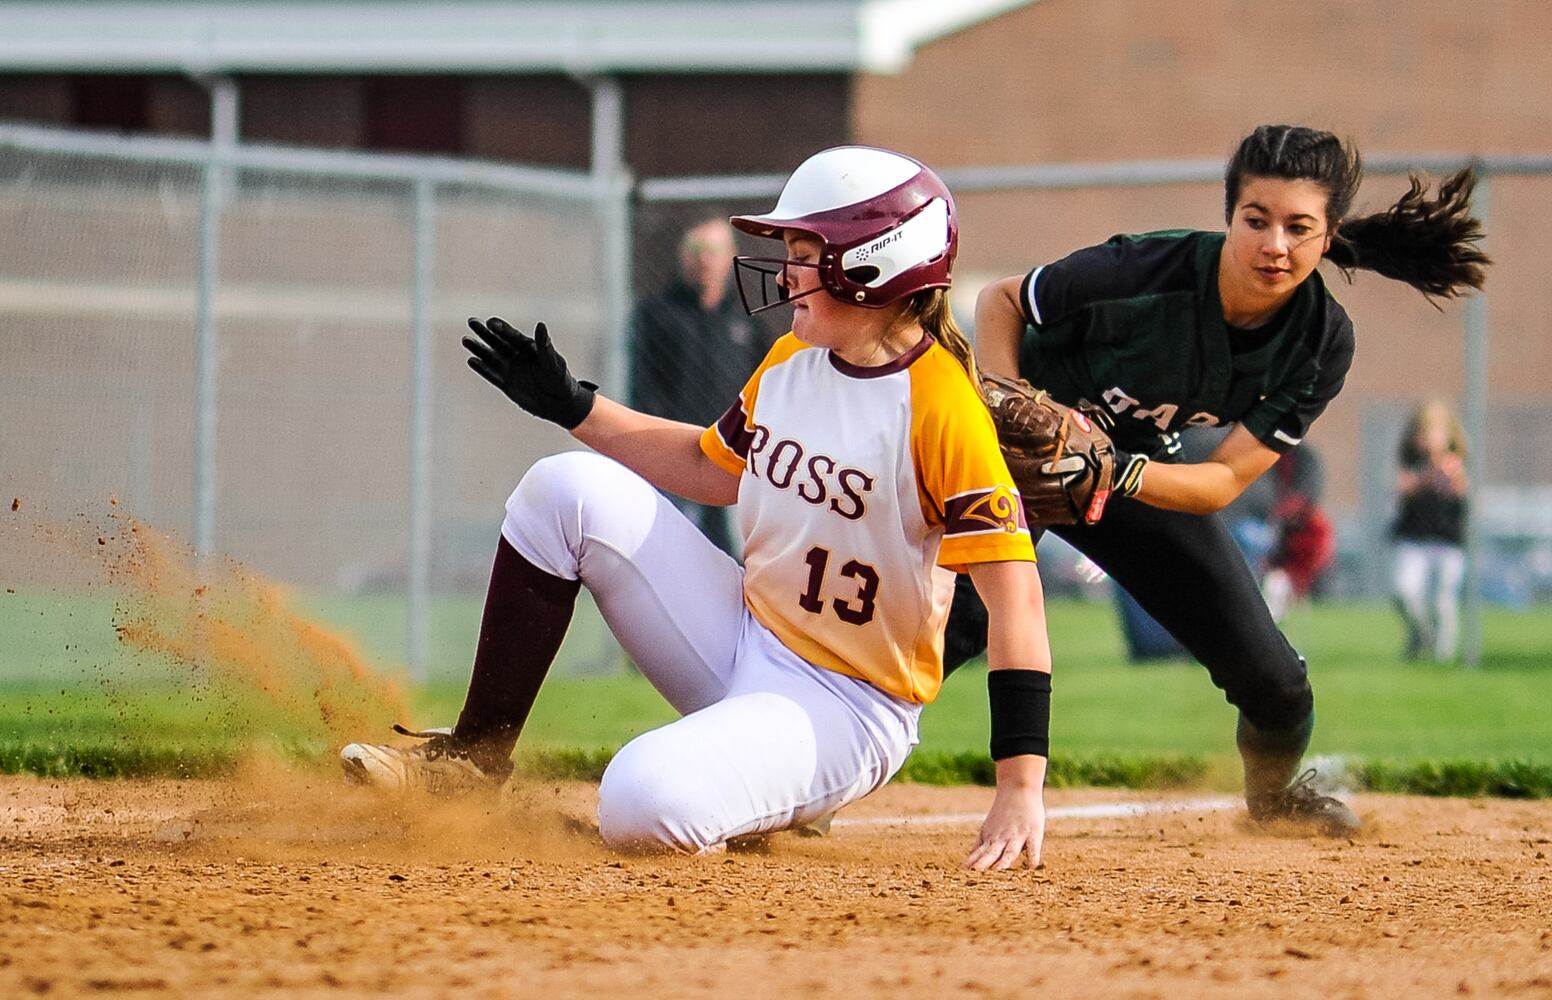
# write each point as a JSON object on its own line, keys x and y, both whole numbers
{"x": 1512, "y": 779}
{"x": 1369, "y": 702}
{"x": 72, "y": 701}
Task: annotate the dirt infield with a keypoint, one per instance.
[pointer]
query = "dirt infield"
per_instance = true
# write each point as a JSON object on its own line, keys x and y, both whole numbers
{"x": 285, "y": 884}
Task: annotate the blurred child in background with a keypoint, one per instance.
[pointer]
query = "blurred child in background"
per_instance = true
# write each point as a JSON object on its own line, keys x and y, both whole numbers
{"x": 1430, "y": 530}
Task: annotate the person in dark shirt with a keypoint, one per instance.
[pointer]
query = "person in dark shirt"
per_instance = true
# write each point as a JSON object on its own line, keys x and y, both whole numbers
{"x": 1179, "y": 329}
{"x": 693, "y": 347}
{"x": 1429, "y": 531}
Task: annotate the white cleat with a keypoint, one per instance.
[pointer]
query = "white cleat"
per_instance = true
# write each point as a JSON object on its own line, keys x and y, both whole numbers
{"x": 439, "y": 766}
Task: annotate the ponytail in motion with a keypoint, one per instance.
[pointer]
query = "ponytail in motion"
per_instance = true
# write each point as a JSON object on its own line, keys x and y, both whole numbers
{"x": 1428, "y": 242}
{"x": 931, "y": 309}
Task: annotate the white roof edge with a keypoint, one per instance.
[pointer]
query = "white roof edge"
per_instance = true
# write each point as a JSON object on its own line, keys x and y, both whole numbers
{"x": 892, "y": 30}
{"x": 477, "y": 36}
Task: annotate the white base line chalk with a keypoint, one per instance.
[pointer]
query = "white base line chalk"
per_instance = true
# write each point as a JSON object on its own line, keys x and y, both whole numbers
{"x": 1098, "y": 810}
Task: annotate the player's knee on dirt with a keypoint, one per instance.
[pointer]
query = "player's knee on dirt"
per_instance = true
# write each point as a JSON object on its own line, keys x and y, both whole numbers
{"x": 647, "y": 800}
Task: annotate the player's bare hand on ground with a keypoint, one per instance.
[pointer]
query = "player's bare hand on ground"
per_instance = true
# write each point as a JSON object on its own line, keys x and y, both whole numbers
{"x": 1014, "y": 829}
{"x": 529, "y": 371}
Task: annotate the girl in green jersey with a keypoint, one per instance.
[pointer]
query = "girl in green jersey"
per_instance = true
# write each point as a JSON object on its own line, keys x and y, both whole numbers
{"x": 1187, "y": 329}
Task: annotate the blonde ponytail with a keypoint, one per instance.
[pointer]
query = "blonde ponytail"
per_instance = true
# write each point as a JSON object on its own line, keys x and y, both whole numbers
{"x": 932, "y": 311}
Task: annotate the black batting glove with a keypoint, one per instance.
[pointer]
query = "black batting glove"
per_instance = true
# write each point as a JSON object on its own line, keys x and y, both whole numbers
{"x": 529, "y": 370}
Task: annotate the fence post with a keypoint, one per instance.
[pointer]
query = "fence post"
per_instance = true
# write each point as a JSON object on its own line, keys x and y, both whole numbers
{"x": 213, "y": 194}
{"x": 1474, "y": 419}
{"x": 1376, "y": 494}
{"x": 611, "y": 176}
{"x": 420, "y": 427}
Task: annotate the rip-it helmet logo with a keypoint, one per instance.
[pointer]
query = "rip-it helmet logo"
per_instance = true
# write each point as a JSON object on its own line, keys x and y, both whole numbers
{"x": 864, "y": 253}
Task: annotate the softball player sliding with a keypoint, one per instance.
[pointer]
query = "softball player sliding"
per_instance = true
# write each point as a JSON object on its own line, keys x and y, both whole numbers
{"x": 1182, "y": 329}
{"x": 866, "y": 473}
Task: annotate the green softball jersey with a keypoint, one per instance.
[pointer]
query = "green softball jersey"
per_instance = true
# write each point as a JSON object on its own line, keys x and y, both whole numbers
{"x": 1135, "y": 324}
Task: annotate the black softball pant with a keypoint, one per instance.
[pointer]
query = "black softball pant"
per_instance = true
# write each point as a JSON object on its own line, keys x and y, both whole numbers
{"x": 1186, "y": 572}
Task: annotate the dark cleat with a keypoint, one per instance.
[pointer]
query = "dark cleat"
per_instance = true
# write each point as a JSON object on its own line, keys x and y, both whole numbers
{"x": 1301, "y": 805}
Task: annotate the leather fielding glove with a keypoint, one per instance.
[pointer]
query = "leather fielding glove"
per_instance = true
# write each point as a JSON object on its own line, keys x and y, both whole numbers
{"x": 529, "y": 371}
{"x": 1060, "y": 457}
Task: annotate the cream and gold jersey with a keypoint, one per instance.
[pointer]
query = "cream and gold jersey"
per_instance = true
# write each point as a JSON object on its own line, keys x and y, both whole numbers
{"x": 862, "y": 491}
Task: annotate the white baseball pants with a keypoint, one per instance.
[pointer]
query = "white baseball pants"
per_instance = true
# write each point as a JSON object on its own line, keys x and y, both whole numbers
{"x": 1428, "y": 579}
{"x": 768, "y": 741}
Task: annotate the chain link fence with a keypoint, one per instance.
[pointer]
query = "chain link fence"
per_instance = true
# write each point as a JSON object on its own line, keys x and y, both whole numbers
{"x": 259, "y": 348}
{"x": 259, "y": 351}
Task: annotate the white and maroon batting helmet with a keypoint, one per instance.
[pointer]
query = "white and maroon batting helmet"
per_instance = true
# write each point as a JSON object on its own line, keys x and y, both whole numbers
{"x": 886, "y": 222}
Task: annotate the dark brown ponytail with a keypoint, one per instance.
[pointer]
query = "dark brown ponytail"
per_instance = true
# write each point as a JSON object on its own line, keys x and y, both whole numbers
{"x": 1428, "y": 242}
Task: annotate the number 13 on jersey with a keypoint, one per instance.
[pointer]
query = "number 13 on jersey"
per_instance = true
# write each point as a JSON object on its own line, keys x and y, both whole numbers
{"x": 856, "y": 610}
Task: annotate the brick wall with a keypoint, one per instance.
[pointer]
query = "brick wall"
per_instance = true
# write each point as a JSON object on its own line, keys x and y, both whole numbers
{"x": 1070, "y": 81}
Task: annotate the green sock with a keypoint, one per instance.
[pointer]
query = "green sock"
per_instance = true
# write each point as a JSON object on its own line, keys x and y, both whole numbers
{"x": 1271, "y": 756}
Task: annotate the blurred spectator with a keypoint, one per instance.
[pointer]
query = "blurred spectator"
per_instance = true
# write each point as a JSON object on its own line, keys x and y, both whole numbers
{"x": 1429, "y": 530}
{"x": 1278, "y": 522}
{"x": 1279, "y": 526}
{"x": 693, "y": 347}
{"x": 1304, "y": 541}
{"x": 1249, "y": 516}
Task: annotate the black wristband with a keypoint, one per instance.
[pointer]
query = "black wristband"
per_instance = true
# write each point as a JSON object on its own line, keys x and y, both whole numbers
{"x": 1021, "y": 712}
{"x": 1128, "y": 474}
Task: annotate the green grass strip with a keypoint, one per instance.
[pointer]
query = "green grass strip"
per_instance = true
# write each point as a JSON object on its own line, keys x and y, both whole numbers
{"x": 1510, "y": 779}
{"x": 565, "y": 765}
{"x": 164, "y": 760}
{"x": 1110, "y": 770}
{"x": 936, "y": 768}
{"x": 107, "y": 759}
{"x": 1462, "y": 778}
{"x": 1096, "y": 771}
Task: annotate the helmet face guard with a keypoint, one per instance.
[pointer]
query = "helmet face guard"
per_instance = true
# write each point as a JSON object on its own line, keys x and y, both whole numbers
{"x": 886, "y": 225}
{"x": 761, "y": 273}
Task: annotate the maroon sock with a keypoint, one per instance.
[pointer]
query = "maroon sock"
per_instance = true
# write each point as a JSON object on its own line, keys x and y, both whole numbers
{"x": 526, "y": 614}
